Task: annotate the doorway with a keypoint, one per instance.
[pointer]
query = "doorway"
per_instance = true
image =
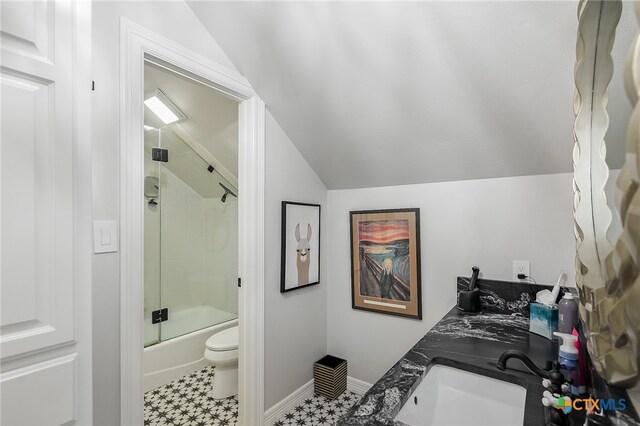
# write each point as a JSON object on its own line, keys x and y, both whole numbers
{"x": 141, "y": 47}
{"x": 190, "y": 222}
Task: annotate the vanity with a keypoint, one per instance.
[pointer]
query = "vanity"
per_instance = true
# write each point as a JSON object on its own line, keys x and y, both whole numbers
{"x": 468, "y": 346}
{"x": 469, "y": 342}
{"x": 455, "y": 362}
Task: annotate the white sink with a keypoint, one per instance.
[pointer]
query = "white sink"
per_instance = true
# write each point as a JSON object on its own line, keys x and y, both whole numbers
{"x": 448, "y": 396}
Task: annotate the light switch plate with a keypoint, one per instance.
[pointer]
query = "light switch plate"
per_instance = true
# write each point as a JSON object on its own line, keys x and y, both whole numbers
{"x": 105, "y": 236}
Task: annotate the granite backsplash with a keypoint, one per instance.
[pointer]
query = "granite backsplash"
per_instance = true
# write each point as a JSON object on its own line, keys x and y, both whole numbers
{"x": 506, "y": 297}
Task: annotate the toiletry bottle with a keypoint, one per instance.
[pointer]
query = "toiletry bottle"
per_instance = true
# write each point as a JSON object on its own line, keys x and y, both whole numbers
{"x": 567, "y": 314}
{"x": 568, "y": 356}
{"x": 579, "y": 386}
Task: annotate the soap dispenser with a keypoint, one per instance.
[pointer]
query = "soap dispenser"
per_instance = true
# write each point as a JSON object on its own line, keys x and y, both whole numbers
{"x": 568, "y": 357}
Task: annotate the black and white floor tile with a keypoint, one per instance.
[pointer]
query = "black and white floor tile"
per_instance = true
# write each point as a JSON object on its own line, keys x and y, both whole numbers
{"x": 186, "y": 402}
{"x": 319, "y": 411}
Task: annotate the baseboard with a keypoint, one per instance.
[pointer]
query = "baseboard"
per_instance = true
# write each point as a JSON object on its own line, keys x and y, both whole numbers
{"x": 305, "y": 391}
{"x": 357, "y": 386}
{"x": 296, "y": 398}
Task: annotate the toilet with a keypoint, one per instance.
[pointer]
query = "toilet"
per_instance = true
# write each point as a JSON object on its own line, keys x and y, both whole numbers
{"x": 221, "y": 350}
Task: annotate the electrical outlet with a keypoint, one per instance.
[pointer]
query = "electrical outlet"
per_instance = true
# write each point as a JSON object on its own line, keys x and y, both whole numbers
{"x": 521, "y": 267}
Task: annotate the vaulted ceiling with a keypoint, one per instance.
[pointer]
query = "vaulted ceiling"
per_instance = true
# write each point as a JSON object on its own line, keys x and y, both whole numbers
{"x": 390, "y": 93}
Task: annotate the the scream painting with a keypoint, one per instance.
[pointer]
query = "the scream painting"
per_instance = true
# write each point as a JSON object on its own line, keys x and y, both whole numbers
{"x": 386, "y": 261}
{"x": 383, "y": 254}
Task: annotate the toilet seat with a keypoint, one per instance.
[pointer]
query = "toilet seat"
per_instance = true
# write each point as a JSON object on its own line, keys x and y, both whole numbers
{"x": 225, "y": 340}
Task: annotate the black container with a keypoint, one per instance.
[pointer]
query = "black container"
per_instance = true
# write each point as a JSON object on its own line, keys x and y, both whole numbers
{"x": 469, "y": 300}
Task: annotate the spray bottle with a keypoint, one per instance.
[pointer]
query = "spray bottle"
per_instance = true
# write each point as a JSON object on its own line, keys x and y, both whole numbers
{"x": 568, "y": 357}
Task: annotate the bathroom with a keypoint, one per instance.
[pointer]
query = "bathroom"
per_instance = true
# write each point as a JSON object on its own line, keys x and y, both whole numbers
{"x": 190, "y": 226}
{"x": 463, "y": 110}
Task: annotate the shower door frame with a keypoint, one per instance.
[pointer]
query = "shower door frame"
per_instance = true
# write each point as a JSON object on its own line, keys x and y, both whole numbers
{"x": 137, "y": 45}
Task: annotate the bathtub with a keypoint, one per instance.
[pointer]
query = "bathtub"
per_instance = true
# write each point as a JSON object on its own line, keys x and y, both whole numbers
{"x": 182, "y": 355}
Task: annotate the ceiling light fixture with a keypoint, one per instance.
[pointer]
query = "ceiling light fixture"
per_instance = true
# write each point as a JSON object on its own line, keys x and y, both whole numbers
{"x": 161, "y": 106}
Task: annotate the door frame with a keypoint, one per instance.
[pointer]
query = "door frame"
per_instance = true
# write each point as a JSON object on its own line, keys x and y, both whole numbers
{"x": 136, "y": 45}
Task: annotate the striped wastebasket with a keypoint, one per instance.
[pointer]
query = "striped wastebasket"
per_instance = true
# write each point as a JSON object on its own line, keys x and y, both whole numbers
{"x": 330, "y": 376}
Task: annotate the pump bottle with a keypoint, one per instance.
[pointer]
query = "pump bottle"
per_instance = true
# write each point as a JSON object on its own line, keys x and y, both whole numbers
{"x": 568, "y": 358}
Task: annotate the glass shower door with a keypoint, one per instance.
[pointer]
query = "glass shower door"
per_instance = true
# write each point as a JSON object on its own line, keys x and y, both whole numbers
{"x": 198, "y": 241}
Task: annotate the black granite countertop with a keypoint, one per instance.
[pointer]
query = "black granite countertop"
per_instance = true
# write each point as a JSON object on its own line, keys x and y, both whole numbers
{"x": 471, "y": 342}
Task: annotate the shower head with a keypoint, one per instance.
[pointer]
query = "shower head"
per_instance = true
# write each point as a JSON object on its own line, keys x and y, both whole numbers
{"x": 227, "y": 191}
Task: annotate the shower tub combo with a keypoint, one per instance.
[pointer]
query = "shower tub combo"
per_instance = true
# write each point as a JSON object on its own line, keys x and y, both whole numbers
{"x": 190, "y": 259}
{"x": 179, "y": 356}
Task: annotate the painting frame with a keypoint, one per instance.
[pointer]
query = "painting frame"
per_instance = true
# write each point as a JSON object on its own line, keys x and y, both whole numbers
{"x": 286, "y": 236}
{"x": 380, "y": 232}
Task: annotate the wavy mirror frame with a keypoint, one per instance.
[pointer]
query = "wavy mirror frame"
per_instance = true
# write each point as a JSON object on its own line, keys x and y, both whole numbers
{"x": 608, "y": 278}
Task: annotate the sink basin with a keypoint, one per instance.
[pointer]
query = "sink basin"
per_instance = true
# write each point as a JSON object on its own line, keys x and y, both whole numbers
{"x": 449, "y": 396}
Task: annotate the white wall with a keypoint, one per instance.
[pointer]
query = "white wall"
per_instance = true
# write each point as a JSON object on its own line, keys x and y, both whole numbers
{"x": 487, "y": 223}
{"x": 176, "y": 21}
{"x": 295, "y": 322}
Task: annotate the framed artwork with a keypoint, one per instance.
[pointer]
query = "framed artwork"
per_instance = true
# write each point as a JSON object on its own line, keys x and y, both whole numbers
{"x": 385, "y": 262}
{"x": 300, "y": 260}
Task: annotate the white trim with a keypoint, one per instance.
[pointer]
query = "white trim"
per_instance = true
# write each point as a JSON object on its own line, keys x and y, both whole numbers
{"x": 251, "y": 261}
{"x": 305, "y": 391}
{"x": 281, "y": 408}
{"x": 136, "y": 44}
{"x": 357, "y": 386}
{"x": 82, "y": 210}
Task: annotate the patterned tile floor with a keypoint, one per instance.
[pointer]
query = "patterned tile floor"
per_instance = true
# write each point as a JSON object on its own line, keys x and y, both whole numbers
{"x": 186, "y": 402}
{"x": 319, "y": 411}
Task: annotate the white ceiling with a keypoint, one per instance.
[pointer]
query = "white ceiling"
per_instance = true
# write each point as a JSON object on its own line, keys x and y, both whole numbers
{"x": 212, "y": 117}
{"x": 389, "y": 93}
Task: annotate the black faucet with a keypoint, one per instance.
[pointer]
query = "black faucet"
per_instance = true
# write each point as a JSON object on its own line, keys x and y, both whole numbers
{"x": 511, "y": 353}
{"x": 555, "y": 377}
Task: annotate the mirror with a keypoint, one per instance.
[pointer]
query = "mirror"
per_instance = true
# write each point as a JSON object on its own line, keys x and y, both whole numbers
{"x": 607, "y": 274}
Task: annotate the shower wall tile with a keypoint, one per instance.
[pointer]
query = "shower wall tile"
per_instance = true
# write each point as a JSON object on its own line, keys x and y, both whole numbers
{"x": 221, "y": 254}
{"x": 182, "y": 244}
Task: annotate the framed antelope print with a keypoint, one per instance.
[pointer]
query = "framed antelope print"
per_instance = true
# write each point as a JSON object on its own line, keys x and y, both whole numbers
{"x": 300, "y": 260}
{"x": 385, "y": 262}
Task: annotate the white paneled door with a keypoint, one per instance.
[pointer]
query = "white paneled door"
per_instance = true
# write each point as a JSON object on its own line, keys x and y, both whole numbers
{"x": 45, "y": 201}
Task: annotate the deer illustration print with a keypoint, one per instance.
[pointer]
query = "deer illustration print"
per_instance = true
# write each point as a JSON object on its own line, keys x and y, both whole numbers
{"x": 302, "y": 255}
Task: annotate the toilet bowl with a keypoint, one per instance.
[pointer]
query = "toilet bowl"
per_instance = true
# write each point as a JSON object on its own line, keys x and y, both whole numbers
{"x": 221, "y": 350}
